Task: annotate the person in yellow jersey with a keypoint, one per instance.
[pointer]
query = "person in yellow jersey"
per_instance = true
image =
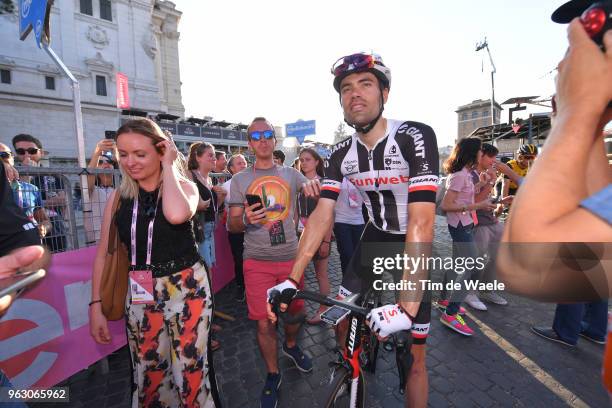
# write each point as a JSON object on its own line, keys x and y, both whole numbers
{"x": 526, "y": 154}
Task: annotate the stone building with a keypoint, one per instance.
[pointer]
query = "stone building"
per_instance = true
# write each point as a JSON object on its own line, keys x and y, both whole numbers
{"x": 475, "y": 115}
{"x": 96, "y": 39}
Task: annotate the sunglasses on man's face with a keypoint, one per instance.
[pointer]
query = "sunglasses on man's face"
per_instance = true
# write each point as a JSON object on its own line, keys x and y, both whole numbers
{"x": 529, "y": 157}
{"x": 5, "y": 155}
{"x": 29, "y": 150}
{"x": 258, "y": 135}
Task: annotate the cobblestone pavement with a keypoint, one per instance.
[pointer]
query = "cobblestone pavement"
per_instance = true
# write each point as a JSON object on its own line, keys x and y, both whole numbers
{"x": 503, "y": 364}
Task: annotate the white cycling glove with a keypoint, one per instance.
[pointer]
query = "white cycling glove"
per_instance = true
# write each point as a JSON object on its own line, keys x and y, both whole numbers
{"x": 388, "y": 319}
{"x": 284, "y": 292}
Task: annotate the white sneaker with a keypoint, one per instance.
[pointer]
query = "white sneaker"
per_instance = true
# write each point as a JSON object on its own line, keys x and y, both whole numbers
{"x": 475, "y": 303}
{"x": 494, "y": 298}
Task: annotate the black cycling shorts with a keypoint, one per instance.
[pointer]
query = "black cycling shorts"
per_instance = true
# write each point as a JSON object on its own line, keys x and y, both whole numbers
{"x": 359, "y": 275}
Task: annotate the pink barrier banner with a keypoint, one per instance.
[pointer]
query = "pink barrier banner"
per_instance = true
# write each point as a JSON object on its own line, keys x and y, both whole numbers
{"x": 223, "y": 270}
{"x": 44, "y": 337}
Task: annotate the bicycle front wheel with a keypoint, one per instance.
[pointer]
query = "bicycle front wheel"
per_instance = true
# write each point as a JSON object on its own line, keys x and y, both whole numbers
{"x": 339, "y": 394}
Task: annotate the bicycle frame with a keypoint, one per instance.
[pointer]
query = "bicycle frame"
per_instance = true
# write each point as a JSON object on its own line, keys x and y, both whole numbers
{"x": 350, "y": 357}
{"x": 351, "y": 354}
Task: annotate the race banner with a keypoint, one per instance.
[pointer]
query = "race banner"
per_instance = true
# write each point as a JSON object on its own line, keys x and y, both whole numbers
{"x": 44, "y": 337}
{"x": 123, "y": 96}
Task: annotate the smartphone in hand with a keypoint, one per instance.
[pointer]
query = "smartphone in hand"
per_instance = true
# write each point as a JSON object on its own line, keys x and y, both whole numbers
{"x": 254, "y": 199}
{"x": 20, "y": 281}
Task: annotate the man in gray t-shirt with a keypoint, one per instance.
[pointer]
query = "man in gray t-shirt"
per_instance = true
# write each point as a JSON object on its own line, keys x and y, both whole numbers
{"x": 270, "y": 246}
{"x": 274, "y": 239}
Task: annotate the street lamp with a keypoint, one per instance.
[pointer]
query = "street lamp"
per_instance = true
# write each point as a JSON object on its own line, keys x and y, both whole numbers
{"x": 481, "y": 46}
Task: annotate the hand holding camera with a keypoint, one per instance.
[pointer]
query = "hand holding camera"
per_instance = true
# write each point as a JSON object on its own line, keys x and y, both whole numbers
{"x": 584, "y": 83}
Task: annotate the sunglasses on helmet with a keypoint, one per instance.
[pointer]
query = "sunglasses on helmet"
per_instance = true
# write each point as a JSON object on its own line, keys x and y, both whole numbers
{"x": 353, "y": 62}
{"x": 30, "y": 150}
{"x": 257, "y": 135}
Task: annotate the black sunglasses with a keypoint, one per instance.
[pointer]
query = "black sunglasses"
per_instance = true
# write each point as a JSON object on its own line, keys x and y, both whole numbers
{"x": 30, "y": 150}
{"x": 258, "y": 135}
{"x": 5, "y": 155}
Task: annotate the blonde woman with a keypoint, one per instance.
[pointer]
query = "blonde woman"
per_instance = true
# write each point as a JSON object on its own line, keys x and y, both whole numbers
{"x": 169, "y": 303}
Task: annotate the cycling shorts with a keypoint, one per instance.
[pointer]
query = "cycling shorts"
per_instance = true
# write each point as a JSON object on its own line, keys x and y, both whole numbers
{"x": 359, "y": 275}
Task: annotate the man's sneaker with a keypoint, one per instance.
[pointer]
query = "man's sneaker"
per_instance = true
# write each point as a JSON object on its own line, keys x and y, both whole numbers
{"x": 443, "y": 304}
{"x": 302, "y": 361}
{"x": 239, "y": 295}
{"x": 549, "y": 334}
{"x": 475, "y": 303}
{"x": 593, "y": 339}
{"x": 493, "y": 297}
{"x": 269, "y": 395}
{"x": 456, "y": 323}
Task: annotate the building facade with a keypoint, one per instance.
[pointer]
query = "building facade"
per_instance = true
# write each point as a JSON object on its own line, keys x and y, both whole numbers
{"x": 96, "y": 39}
{"x": 475, "y": 115}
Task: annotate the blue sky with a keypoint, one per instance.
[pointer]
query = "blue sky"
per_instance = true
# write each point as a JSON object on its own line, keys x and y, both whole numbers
{"x": 240, "y": 59}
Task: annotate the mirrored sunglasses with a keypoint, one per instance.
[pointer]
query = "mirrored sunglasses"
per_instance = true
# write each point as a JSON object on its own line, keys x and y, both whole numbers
{"x": 258, "y": 135}
{"x": 353, "y": 62}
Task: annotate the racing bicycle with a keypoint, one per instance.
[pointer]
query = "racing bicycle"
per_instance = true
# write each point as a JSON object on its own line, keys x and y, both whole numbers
{"x": 346, "y": 386}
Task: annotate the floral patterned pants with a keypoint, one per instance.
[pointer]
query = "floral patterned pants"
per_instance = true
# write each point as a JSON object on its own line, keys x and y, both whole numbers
{"x": 169, "y": 342}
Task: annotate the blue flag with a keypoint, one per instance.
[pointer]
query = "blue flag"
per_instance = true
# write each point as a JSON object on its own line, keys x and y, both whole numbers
{"x": 33, "y": 15}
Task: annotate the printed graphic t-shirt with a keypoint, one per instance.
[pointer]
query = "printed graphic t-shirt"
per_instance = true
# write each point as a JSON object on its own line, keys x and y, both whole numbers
{"x": 277, "y": 187}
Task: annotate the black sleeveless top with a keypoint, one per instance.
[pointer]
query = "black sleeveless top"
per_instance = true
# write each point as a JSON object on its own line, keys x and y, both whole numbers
{"x": 174, "y": 246}
{"x": 207, "y": 193}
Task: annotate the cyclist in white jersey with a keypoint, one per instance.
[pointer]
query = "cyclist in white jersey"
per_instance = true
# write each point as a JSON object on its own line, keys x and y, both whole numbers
{"x": 394, "y": 165}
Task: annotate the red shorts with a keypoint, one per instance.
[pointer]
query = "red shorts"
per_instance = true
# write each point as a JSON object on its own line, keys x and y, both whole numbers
{"x": 259, "y": 276}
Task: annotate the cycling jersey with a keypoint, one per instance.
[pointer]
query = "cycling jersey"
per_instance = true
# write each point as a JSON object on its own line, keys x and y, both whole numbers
{"x": 402, "y": 168}
{"x": 518, "y": 170}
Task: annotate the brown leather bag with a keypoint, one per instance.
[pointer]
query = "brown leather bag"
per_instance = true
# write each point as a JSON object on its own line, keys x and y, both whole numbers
{"x": 114, "y": 284}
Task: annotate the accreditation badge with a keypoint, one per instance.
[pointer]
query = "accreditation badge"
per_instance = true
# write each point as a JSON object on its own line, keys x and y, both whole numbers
{"x": 141, "y": 287}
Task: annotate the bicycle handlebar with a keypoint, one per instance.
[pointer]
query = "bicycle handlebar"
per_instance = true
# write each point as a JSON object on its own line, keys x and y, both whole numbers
{"x": 327, "y": 301}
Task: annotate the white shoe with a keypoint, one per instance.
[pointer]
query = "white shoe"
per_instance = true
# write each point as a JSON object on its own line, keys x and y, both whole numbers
{"x": 475, "y": 303}
{"x": 494, "y": 298}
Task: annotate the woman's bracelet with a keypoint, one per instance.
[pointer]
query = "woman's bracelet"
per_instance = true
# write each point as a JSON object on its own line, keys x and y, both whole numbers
{"x": 95, "y": 301}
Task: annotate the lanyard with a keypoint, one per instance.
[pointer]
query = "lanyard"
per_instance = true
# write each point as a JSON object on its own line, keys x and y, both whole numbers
{"x": 149, "y": 233}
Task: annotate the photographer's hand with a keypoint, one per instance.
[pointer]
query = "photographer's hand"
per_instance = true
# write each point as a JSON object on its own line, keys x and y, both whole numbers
{"x": 584, "y": 83}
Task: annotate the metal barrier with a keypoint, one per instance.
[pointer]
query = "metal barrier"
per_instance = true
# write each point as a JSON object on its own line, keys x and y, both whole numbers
{"x": 54, "y": 199}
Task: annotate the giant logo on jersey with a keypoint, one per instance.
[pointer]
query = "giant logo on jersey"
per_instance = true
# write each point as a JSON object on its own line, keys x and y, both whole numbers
{"x": 417, "y": 137}
{"x": 340, "y": 145}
